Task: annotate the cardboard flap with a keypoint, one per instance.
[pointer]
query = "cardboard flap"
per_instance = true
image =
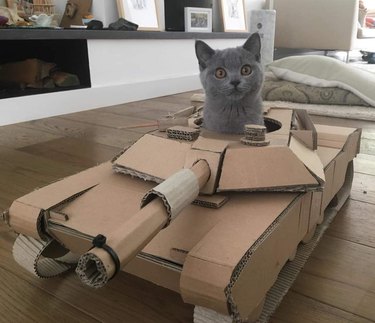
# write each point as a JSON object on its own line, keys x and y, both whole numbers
{"x": 154, "y": 156}
{"x": 306, "y": 132}
{"x": 327, "y": 154}
{"x": 306, "y": 137}
{"x": 352, "y": 145}
{"x": 264, "y": 168}
{"x": 309, "y": 157}
{"x": 212, "y": 142}
{"x": 284, "y": 117}
{"x": 89, "y": 214}
{"x": 51, "y": 195}
{"x": 184, "y": 232}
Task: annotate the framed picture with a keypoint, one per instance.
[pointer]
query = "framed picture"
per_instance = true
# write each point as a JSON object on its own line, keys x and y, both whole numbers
{"x": 141, "y": 12}
{"x": 233, "y": 12}
{"x": 198, "y": 19}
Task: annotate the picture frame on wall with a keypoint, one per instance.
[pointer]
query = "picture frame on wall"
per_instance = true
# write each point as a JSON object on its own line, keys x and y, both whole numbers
{"x": 141, "y": 12}
{"x": 198, "y": 19}
{"x": 233, "y": 12}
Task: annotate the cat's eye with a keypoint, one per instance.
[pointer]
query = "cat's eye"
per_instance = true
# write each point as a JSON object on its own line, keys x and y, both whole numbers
{"x": 220, "y": 73}
{"x": 246, "y": 70}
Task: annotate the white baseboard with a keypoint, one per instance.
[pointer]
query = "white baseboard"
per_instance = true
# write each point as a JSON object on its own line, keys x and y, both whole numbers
{"x": 25, "y": 108}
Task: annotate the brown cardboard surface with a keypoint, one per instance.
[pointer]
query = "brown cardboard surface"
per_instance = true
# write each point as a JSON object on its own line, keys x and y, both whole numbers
{"x": 307, "y": 132}
{"x": 247, "y": 218}
{"x": 280, "y": 168}
{"x": 213, "y": 159}
{"x": 309, "y": 157}
{"x": 327, "y": 154}
{"x": 51, "y": 195}
{"x": 352, "y": 145}
{"x": 195, "y": 220}
{"x": 26, "y": 213}
{"x": 25, "y": 219}
{"x": 97, "y": 266}
{"x": 266, "y": 261}
{"x": 284, "y": 116}
{"x": 328, "y": 192}
{"x": 74, "y": 241}
{"x": 213, "y": 142}
{"x": 305, "y": 137}
{"x": 341, "y": 164}
{"x": 316, "y": 210}
{"x": 202, "y": 283}
{"x": 157, "y": 273}
{"x": 89, "y": 213}
{"x": 331, "y": 136}
{"x": 305, "y": 211}
{"x": 155, "y": 156}
{"x": 255, "y": 168}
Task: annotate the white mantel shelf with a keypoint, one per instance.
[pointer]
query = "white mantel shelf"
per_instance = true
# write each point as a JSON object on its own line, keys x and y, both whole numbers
{"x": 124, "y": 67}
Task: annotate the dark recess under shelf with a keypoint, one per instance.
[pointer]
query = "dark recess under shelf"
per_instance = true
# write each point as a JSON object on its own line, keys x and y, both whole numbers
{"x": 69, "y": 55}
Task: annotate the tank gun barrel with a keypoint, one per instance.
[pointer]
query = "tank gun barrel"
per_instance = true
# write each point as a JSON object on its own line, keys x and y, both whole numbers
{"x": 159, "y": 207}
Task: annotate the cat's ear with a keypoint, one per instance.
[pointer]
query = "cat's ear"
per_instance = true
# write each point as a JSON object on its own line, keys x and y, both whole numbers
{"x": 203, "y": 52}
{"x": 253, "y": 45}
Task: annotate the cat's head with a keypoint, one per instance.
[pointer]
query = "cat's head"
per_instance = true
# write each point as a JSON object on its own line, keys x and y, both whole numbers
{"x": 232, "y": 72}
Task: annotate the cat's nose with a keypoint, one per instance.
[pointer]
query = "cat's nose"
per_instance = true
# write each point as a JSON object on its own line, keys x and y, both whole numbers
{"x": 235, "y": 83}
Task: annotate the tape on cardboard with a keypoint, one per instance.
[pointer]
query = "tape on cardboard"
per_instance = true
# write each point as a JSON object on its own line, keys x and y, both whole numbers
{"x": 177, "y": 192}
{"x": 31, "y": 254}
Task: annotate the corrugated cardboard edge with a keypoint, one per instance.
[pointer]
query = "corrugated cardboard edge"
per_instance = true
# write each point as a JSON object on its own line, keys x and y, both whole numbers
{"x": 211, "y": 201}
{"x": 176, "y": 192}
{"x": 28, "y": 252}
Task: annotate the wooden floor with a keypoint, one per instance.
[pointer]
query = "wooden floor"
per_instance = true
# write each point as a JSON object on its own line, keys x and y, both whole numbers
{"x": 336, "y": 285}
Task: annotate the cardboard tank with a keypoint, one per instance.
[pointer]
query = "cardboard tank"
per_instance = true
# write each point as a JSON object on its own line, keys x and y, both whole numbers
{"x": 213, "y": 217}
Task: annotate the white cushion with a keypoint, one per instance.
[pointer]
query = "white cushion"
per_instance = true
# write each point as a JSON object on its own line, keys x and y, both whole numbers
{"x": 364, "y": 32}
{"x": 322, "y": 71}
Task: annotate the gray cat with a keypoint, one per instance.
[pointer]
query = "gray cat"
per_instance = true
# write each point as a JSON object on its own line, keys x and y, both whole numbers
{"x": 232, "y": 79}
